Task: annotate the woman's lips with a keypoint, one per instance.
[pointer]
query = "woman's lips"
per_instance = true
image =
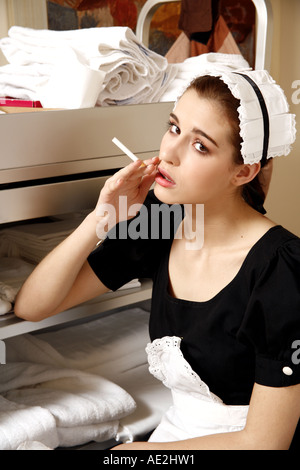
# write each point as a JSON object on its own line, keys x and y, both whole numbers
{"x": 164, "y": 179}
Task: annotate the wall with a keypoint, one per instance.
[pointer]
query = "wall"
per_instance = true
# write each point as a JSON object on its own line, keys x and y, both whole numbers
{"x": 284, "y": 197}
{"x": 30, "y": 13}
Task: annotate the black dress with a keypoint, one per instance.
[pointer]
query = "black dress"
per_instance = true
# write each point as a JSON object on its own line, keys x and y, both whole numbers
{"x": 249, "y": 332}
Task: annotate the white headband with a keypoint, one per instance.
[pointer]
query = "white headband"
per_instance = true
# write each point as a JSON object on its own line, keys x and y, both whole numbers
{"x": 266, "y": 126}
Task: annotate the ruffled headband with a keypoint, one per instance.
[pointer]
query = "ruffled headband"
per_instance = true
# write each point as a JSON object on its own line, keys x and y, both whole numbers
{"x": 267, "y": 128}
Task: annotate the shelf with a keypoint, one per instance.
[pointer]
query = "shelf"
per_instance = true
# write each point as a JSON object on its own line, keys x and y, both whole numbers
{"x": 13, "y": 326}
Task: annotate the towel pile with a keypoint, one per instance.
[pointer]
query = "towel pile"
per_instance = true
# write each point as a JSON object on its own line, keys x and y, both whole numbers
{"x": 33, "y": 242}
{"x": 192, "y": 67}
{"x": 57, "y": 406}
{"x": 54, "y": 392}
{"x": 105, "y": 65}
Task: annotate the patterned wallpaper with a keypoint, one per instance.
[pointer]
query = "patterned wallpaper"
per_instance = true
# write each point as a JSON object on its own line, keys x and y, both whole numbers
{"x": 73, "y": 14}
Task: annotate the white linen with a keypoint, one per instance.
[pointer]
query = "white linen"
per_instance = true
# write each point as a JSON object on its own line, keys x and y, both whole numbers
{"x": 112, "y": 347}
{"x": 200, "y": 65}
{"x": 19, "y": 424}
{"x": 132, "y": 73}
{"x": 84, "y": 406}
{"x": 32, "y": 242}
{"x": 13, "y": 272}
{"x": 57, "y": 67}
{"x": 72, "y": 84}
{"x": 5, "y": 306}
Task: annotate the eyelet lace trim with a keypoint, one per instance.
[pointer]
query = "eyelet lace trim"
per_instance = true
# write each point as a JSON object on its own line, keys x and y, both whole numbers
{"x": 167, "y": 363}
{"x": 251, "y": 127}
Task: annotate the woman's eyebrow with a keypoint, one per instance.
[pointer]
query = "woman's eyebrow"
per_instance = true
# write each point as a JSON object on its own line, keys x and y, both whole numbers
{"x": 196, "y": 130}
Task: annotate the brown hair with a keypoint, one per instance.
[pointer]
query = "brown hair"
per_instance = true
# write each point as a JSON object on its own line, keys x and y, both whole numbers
{"x": 213, "y": 88}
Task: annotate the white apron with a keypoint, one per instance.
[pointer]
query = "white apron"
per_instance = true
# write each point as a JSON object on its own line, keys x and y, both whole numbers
{"x": 195, "y": 411}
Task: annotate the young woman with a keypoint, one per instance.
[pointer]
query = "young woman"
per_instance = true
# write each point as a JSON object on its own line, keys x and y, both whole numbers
{"x": 225, "y": 315}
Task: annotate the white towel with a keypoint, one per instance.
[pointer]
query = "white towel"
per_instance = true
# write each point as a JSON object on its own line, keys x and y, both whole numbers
{"x": 7, "y": 296}
{"x": 84, "y": 407}
{"x": 112, "y": 347}
{"x": 133, "y": 73}
{"x": 19, "y": 424}
{"x": 22, "y": 81}
{"x": 5, "y": 306}
{"x": 199, "y": 65}
{"x": 72, "y": 83}
{"x": 81, "y": 404}
{"x": 33, "y": 241}
{"x": 13, "y": 273}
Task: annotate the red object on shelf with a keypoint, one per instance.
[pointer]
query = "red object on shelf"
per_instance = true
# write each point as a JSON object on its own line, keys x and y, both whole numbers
{"x": 17, "y": 103}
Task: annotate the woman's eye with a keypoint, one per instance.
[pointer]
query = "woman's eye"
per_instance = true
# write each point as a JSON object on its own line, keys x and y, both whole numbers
{"x": 173, "y": 128}
{"x": 200, "y": 147}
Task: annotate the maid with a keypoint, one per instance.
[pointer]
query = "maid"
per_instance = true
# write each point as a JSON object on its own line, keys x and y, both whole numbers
{"x": 225, "y": 314}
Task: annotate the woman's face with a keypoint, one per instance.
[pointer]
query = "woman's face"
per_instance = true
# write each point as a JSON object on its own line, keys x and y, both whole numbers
{"x": 196, "y": 154}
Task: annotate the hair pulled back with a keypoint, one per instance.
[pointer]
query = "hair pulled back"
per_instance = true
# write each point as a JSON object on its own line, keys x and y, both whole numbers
{"x": 213, "y": 88}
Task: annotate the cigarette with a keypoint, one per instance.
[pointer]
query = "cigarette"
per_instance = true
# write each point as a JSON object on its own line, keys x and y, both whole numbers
{"x": 126, "y": 150}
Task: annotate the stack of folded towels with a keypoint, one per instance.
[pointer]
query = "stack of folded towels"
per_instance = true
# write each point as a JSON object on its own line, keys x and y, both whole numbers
{"x": 54, "y": 405}
{"x": 86, "y": 382}
{"x": 96, "y": 67}
{"x": 32, "y": 241}
{"x": 80, "y": 68}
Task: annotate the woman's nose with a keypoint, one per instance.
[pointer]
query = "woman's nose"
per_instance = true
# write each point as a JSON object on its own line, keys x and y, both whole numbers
{"x": 170, "y": 150}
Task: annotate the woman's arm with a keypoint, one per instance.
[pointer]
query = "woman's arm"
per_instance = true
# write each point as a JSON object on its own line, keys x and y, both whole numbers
{"x": 272, "y": 419}
{"x": 64, "y": 278}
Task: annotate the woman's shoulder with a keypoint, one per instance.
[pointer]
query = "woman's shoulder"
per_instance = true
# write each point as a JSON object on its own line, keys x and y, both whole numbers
{"x": 278, "y": 237}
{"x": 277, "y": 245}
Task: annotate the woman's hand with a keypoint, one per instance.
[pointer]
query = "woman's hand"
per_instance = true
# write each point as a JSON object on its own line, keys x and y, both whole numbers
{"x": 124, "y": 193}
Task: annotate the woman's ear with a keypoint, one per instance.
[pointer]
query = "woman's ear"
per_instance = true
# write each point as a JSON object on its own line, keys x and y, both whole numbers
{"x": 246, "y": 173}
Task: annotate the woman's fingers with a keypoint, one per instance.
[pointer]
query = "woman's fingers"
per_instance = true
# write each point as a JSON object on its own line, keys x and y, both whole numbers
{"x": 134, "y": 172}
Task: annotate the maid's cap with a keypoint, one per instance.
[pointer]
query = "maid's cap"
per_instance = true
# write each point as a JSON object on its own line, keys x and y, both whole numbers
{"x": 267, "y": 128}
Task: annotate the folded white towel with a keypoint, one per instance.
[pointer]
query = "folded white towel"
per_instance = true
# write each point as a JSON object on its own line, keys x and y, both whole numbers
{"x": 112, "y": 347}
{"x": 72, "y": 83}
{"x": 13, "y": 273}
{"x": 7, "y": 296}
{"x": 5, "y": 306}
{"x": 132, "y": 73}
{"x": 14, "y": 270}
{"x": 22, "y": 82}
{"x": 81, "y": 399}
{"x": 33, "y": 445}
{"x": 19, "y": 424}
{"x": 81, "y": 404}
{"x": 33, "y": 241}
{"x": 199, "y": 65}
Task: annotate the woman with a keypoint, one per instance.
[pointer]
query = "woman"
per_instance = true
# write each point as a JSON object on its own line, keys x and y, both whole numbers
{"x": 225, "y": 313}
